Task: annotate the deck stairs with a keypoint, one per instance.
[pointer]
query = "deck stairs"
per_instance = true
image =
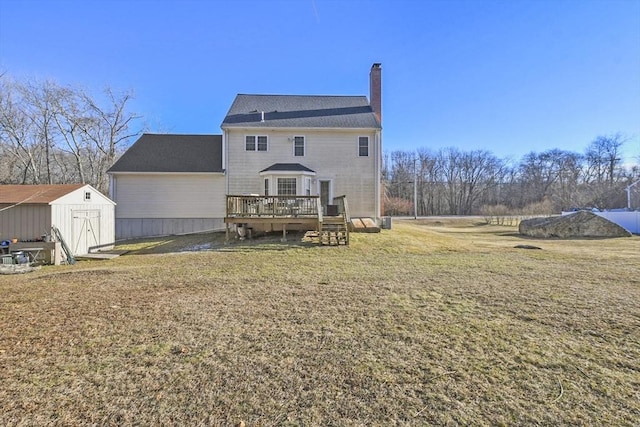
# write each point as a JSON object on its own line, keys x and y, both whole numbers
{"x": 334, "y": 228}
{"x": 334, "y": 231}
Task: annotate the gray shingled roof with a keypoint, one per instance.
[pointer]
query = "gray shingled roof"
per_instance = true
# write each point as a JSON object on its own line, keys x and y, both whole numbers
{"x": 298, "y": 111}
{"x": 172, "y": 153}
{"x": 288, "y": 167}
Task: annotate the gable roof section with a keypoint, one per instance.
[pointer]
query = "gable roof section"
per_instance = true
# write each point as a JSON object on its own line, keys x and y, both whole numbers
{"x": 172, "y": 153}
{"x": 35, "y": 194}
{"x": 301, "y": 111}
{"x": 287, "y": 167}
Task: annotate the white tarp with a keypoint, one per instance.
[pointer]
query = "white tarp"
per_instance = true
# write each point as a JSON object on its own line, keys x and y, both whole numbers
{"x": 628, "y": 220}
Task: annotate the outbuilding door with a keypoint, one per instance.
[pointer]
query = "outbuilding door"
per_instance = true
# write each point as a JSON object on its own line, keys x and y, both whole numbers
{"x": 86, "y": 231}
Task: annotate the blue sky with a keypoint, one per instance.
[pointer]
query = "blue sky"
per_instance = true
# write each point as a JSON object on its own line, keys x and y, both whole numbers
{"x": 505, "y": 76}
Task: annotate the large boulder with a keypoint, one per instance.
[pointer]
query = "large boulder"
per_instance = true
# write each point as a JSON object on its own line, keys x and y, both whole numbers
{"x": 579, "y": 224}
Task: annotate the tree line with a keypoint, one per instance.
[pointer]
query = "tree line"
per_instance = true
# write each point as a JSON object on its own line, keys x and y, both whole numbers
{"x": 454, "y": 182}
{"x": 55, "y": 134}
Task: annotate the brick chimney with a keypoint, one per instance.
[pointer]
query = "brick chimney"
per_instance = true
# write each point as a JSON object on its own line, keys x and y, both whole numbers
{"x": 375, "y": 90}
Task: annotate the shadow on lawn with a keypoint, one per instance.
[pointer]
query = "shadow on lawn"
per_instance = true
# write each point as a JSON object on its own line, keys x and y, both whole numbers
{"x": 213, "y": 242}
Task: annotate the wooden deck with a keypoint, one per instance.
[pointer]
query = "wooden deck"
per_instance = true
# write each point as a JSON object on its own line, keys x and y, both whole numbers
{"x": 243, "y": 208}
{"x": 288, "y": 210}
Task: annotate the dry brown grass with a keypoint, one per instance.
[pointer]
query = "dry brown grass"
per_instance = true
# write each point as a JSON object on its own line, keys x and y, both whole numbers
{"x": 436, "y": 324}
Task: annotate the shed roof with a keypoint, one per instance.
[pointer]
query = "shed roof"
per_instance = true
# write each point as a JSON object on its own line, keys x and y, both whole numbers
{"x": 35, "y": 194}
{"x": 172, "y": 153}
{"x": 301, "y": 111}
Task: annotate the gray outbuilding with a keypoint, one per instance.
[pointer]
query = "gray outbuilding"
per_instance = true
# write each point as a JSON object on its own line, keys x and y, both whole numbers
{"x": 84, "y": 216}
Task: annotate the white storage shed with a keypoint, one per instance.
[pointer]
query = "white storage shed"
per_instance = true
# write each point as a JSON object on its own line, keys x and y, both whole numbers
{"x": 84, "y": 216}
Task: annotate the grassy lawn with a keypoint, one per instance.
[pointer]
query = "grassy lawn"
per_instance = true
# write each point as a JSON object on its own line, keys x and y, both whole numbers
{"x": 433, "y": 322}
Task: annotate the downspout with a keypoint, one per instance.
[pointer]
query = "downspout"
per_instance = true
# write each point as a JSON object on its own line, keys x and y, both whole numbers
{"x": 378, "y": 175}
{"x": 225, "y": 159}
{"x": 112, "y": 187}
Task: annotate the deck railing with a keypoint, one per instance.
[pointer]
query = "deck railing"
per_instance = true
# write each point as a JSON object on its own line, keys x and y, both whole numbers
{"x": 343, "y": 207}
{"x": 273, "y": 206}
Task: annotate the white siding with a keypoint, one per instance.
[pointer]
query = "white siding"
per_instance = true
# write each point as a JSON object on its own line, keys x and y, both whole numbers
{"x": 169, "y": 195}
{"x": 65, "y": 213}
{"x": 77, "y": 197}
{"x": 63, "y": 216}
{"x": 332, "y": 154}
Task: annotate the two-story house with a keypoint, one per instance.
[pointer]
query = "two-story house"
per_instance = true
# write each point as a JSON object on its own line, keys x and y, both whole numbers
{"x": 271, "y": 145}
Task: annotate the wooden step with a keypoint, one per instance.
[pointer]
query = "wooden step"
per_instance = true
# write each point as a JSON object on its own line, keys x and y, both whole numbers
{"x": 333, "y": 238}
{"x": 364, "y": 225}
{"x": 334, "y": 227}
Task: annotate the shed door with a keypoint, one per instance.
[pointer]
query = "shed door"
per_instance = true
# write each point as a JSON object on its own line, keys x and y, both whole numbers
{"x": 86, "y": 231}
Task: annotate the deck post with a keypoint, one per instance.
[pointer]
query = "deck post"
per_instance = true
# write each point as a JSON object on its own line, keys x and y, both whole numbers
{"x": 284, "y": 233}
{"x": 226, "y": 234}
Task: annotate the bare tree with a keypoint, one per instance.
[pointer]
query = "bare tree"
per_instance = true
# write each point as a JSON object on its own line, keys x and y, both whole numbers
{"x": 39, "y": 104}
{"x": 567, "y": 191}
{"x": 604, "y": 171}
{"x": 469, "y": 177}
{"x": 108, "y": 129}
{"x": 604, "y": 158}
{"x": 430, "y": 183}
{"x": 18, "y": 135}
{"x": 58, "y": 134}
{"x": 552, "y": 175}
{"x": 456, "y": 182}
{"x": 69, "y": 115}
{"x": 482, "y": 172}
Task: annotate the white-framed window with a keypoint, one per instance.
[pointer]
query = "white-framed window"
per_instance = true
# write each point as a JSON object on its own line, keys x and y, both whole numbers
{"x": 307, "y": 186}
{"x": 266, "y": 186}
{"x": 298, "y": 146}
{"x": 287, "y": 186}
{"x": 363, "y": 146}
{"x": 87, "y": 196}
{"x": 256, "y": 143}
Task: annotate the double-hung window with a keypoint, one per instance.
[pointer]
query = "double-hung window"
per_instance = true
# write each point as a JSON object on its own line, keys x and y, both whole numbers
{"x": 298, "y": 146}
{"x": 363, "y": 146}
{"x": 255, "y": 143}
